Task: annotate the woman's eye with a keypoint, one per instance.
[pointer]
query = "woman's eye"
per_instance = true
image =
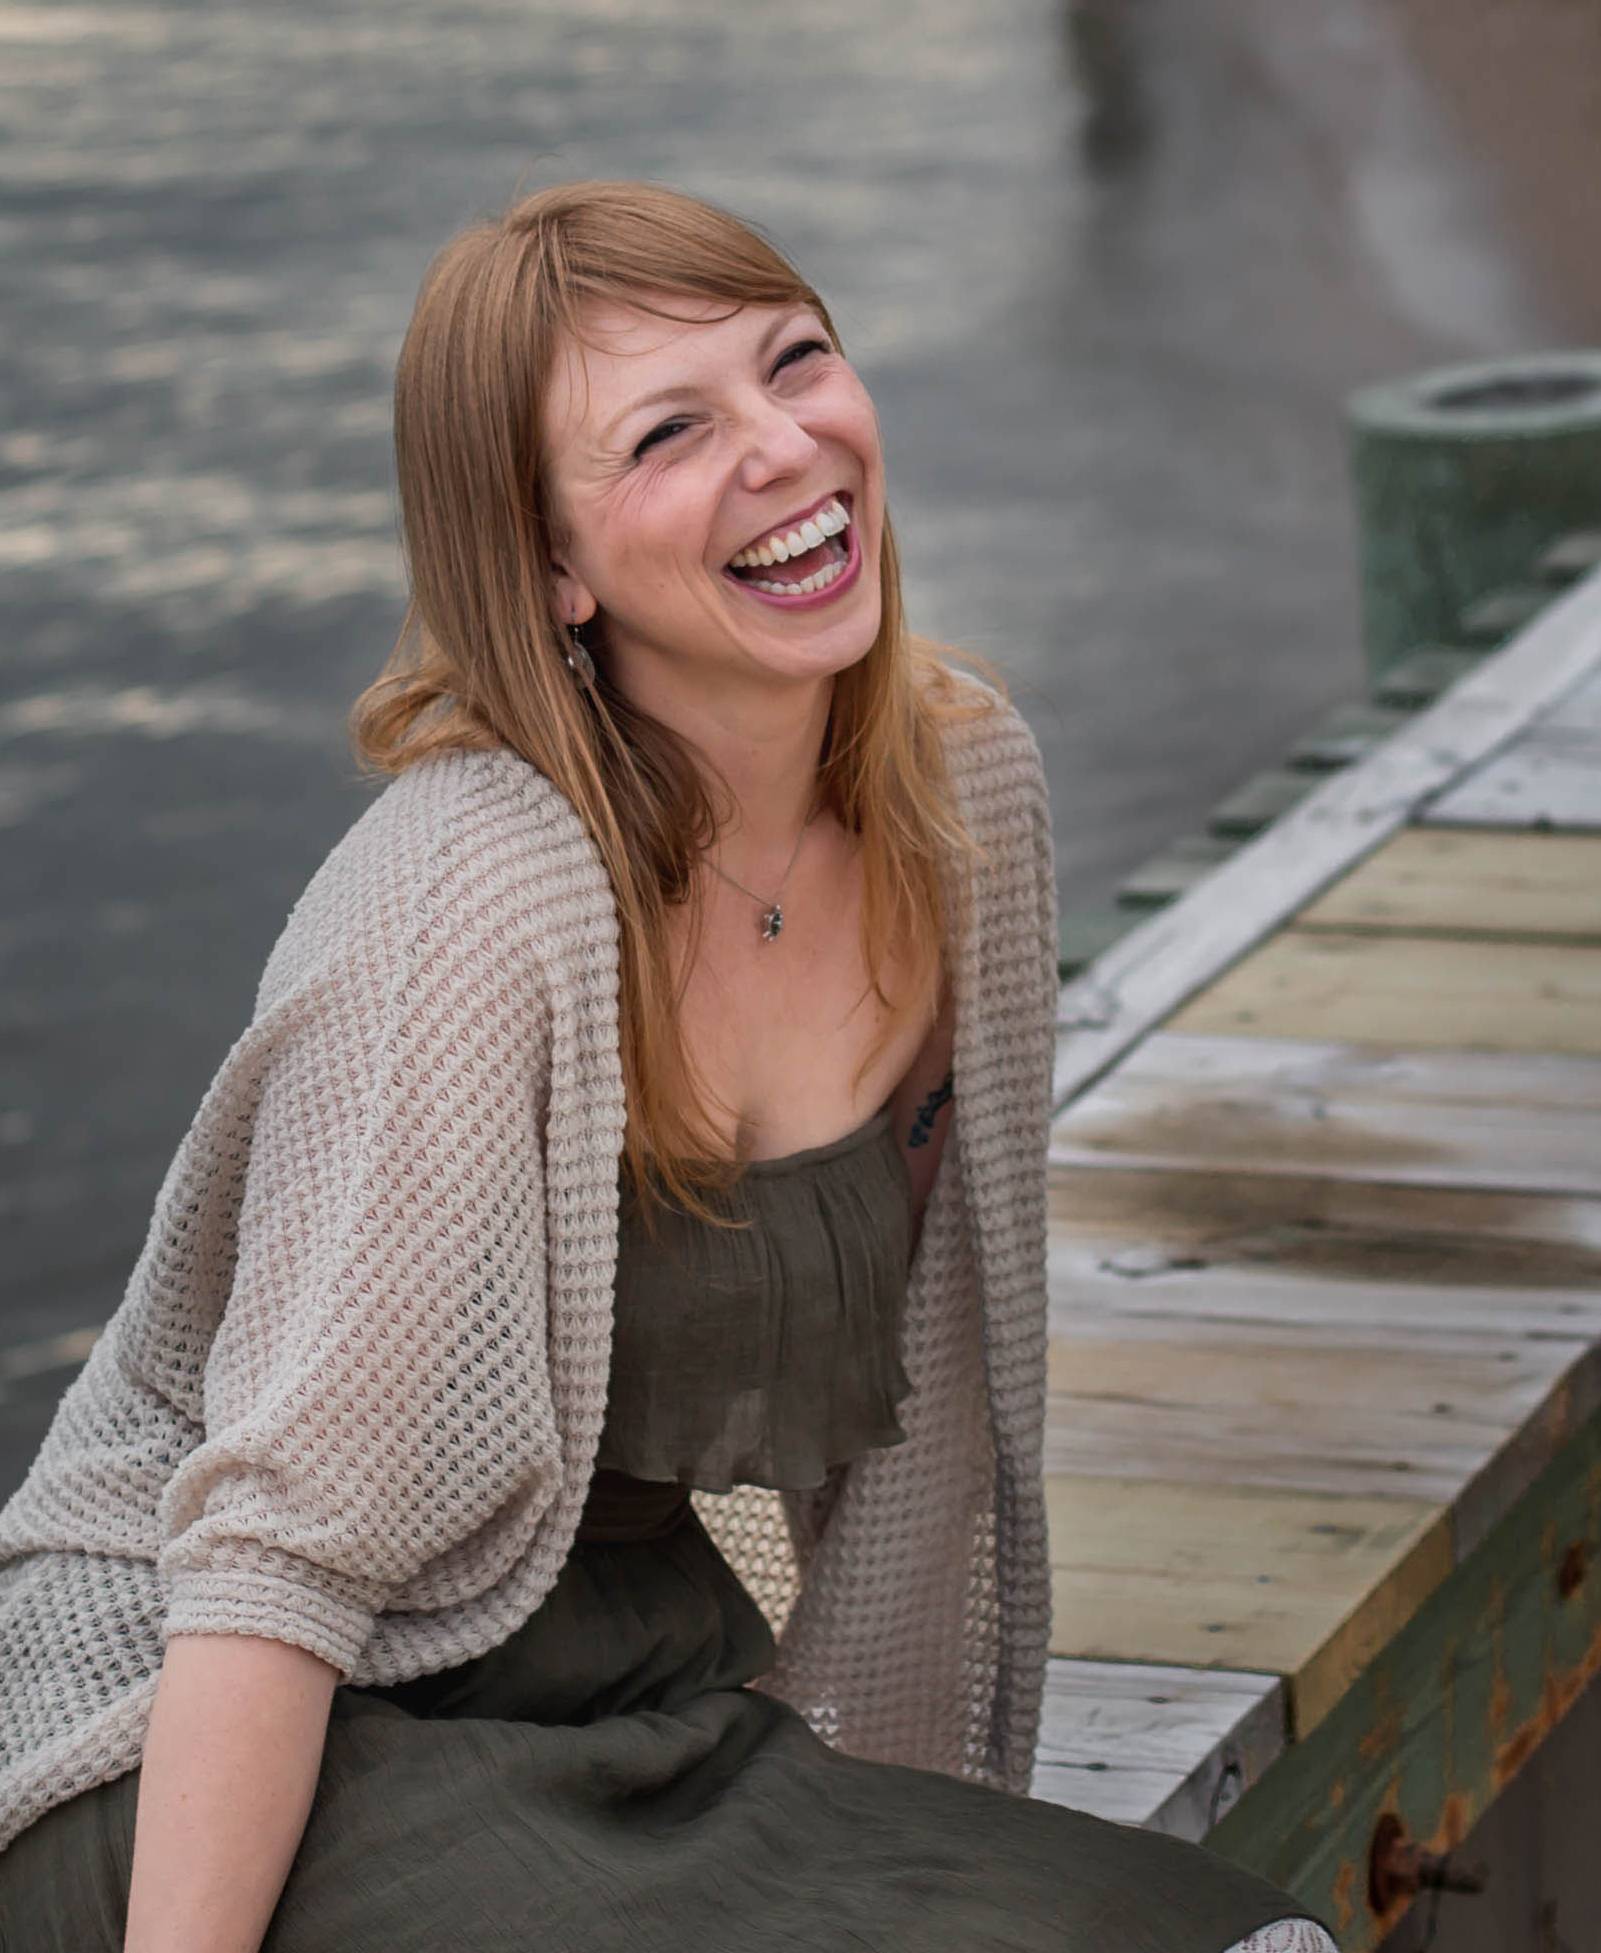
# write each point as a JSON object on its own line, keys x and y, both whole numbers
{"x": 790, "y": 354}
{"x": 656, "y": 434}
{"x": 802, "y": 346}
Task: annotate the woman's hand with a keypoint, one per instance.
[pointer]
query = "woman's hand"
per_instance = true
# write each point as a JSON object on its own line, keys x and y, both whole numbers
{"x": 230, "y": 1766}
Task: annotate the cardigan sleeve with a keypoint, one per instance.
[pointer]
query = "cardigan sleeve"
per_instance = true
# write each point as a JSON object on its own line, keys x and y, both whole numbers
{"x": 919, "y": 1628}
{"x": 376, "y": 1388}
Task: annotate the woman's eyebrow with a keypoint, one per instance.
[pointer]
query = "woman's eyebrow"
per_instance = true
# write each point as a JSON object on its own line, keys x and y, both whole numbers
{"x": 680, "y": 388}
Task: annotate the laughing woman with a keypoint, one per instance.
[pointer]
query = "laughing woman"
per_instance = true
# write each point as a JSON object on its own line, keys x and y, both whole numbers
{"x": 566, "y": 1470}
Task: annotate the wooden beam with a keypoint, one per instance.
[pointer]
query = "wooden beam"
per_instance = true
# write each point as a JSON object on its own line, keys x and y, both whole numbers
{"x": 1466, "y": 1423}
{"x": 1473, "y": 882}
{"x": 1170, "y": 1749}
{"x": 1132, "y": 1231}
{"x": 1550, "y": 778}
{"x": 1578, "y": 709}
{"x": 1176, "y": 952}
{"x": 1415, "y": 1117}
{"x": 1412, "y": 992}
{"x": 1296, "y": 1584}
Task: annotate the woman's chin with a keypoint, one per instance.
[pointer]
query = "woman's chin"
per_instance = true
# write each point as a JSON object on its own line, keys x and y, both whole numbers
{"x": 821, "y": 637}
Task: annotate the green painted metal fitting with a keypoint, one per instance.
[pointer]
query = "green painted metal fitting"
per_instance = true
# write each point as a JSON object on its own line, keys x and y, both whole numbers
{"x": 1259, "y": 803}
{"x": 1345, "y": 735}
{"x": 1173, "y": 872}
{"x": 1463, "y": 476}
{"x": 1571, "y": 557}
{"x": 1085, "y": 933}
{"x": 1493, "y": 619}
{"x": 1423, "y": 674}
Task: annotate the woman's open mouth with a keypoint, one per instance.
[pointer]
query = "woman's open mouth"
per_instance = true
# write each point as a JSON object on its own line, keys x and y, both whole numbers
{"x": 810, "y": 564}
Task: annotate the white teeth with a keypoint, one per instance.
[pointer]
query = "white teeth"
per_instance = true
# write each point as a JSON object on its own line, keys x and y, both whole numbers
{"x": 828, "y": 521}
{"x": 820, "y": 581}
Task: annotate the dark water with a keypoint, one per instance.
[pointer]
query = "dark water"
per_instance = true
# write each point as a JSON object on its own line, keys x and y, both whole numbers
{"x": 1109, "y": 272}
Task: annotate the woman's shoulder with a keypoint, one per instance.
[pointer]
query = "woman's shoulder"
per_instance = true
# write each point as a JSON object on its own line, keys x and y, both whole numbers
{"x": 459, "y": 846}
{"x": 989, "y": 745}
{"x": 456, "y": 798}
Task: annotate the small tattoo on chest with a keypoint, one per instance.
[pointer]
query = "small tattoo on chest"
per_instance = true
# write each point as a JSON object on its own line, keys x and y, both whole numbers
{"x": 923, "y": 1124}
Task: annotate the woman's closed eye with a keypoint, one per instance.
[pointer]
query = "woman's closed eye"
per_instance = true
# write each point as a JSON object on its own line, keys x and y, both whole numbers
{"x": 666, "y": 430}
{"x": 801, "y": 346}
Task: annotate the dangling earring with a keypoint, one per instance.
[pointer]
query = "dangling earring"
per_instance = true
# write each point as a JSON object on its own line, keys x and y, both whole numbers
{"x": 579, "y": 662}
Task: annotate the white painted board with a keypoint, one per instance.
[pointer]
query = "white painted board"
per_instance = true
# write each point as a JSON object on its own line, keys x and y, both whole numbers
{"x": 1171, "y": 1749}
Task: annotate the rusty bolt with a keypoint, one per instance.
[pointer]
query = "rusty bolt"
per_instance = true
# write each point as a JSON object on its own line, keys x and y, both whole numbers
{"x": 1570, "y": 1574}
{"x": 1398, "y": 1868}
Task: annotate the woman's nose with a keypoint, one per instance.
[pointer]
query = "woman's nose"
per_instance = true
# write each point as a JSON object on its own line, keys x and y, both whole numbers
{"x": 775, "y": 444}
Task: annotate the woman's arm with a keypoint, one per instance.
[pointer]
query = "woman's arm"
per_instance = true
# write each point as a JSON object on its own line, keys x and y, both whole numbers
{"x": 230, "y": 1765}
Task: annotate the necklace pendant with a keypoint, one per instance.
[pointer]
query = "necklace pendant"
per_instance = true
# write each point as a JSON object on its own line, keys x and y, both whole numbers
{"x": 772, "y": 923}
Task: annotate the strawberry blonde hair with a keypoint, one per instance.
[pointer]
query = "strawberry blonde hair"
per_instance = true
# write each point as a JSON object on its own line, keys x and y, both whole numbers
{"x": 480, "y": 658}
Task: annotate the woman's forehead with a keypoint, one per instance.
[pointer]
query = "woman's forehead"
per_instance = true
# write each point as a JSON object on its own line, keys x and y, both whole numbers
{"x": 625, "y": 328}
{"x": 625, "y": 354}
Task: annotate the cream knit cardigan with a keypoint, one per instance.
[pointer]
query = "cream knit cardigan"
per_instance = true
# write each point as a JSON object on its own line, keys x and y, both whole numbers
{"x": 352, "y": 1396}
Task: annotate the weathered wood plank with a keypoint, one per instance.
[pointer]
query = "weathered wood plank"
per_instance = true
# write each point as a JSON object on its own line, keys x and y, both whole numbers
{"x": 1280, "y": 1104}
{"x": 1214, "y": 1304}
{"x": 1313, "y": 1414}
{"x": 1166, "y": 959}
{"x": 1398, "y": 1315}
{"x": 1465, "y": 1422}
{"x": 1212, "y": 1309}
{"x": 1578, "y": 710}
{"x": 1317, "y": 1333}
{"x": 1135, "y": 1231}
{"x": 1551, "y": 777}
{"x": 1172, "y": 1749}
{"x": 1287, "y": 1583}
{"x": 1413, "y": 992}
{"x": 1447, "y": 1713}
{"x": 1470, "y": 883}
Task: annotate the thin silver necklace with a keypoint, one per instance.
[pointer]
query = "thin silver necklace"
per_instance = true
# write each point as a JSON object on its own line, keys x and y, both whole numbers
{"x": 772, "y": 912}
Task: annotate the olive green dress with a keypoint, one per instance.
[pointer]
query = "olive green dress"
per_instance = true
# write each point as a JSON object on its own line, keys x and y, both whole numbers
{"x": 603, "y": 1781}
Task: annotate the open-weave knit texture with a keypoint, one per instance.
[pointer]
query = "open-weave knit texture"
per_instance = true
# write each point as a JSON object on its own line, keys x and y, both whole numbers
{"x": 352, "y": 1396}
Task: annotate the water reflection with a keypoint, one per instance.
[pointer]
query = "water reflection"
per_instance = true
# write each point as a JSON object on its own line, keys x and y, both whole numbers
{"x": 1108, "y": 269}
{"x": 1105, "y": 68}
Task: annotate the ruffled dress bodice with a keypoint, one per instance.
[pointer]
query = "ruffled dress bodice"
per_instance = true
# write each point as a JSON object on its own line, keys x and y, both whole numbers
{"x": 765, "y": 1355}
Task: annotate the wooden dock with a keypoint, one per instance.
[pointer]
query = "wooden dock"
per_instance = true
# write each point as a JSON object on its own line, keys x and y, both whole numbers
{"x": 1324, "y": 1435}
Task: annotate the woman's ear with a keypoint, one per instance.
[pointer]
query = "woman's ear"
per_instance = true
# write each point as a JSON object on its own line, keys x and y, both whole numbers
{"x": 575, "y": 601}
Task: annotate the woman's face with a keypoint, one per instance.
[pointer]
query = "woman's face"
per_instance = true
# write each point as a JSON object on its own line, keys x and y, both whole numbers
{"x": 676, "y": 450}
